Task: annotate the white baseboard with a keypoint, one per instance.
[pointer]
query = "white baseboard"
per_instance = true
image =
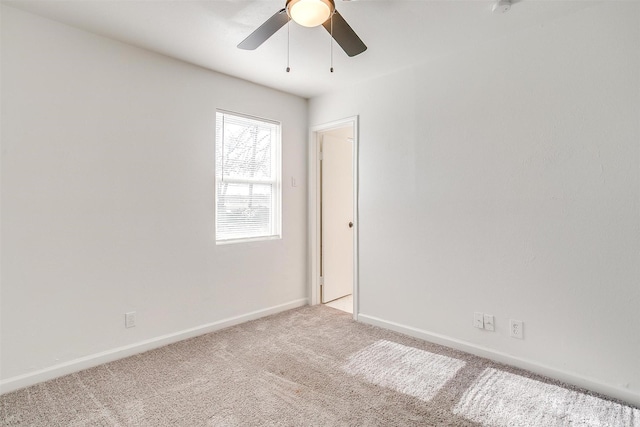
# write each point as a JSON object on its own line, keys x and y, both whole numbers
{"x": 538, "y": 368}
{"x": 31, "y": 378}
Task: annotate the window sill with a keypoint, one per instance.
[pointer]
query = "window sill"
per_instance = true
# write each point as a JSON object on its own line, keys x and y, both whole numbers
{"x": 248, "y": 240}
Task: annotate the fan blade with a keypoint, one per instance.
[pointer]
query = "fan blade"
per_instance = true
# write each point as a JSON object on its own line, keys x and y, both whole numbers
{"x": 344, "y": 35}
{"x": 265, "y": 30}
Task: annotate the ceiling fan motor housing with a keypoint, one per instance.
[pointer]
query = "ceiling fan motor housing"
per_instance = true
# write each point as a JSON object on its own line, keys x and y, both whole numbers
{"x": 501, "y": 6}
{"x": 310, "y": 13}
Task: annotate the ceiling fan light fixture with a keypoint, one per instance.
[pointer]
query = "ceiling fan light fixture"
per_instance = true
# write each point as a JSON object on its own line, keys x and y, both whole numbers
{"x": 310, "y": 13}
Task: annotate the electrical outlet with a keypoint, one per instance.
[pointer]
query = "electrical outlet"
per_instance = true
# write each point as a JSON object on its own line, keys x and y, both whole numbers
{"x": 516, "y": 329}
{"x": 489, "y": 324}
{"x": 130, "y": 319}
{"x": 478, "y": 320}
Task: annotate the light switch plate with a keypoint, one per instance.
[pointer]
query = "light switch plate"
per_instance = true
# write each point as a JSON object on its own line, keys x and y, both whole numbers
{"x": 478, "y": 320}
{"x": 489, "y": 322}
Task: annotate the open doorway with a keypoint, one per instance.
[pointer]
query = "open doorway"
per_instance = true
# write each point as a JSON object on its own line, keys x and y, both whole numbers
{"x": 333, "y": 215}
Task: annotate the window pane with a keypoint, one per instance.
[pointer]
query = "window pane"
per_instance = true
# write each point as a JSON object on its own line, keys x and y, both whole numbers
{"x": 244, "y": 210}
{"x": 247, "y": 148}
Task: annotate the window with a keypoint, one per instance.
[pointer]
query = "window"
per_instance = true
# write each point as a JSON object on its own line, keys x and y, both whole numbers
{"x": 248, "y": 189}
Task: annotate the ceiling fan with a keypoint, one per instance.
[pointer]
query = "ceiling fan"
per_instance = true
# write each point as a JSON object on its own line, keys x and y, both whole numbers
{"x": 308, "y": 13}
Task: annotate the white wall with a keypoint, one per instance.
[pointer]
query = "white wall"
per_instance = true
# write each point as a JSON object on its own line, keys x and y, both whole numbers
{"x": 107, "y": 200}
{"x": 506, "y": 180}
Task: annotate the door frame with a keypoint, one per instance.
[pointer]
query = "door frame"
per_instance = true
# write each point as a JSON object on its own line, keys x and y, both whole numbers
{"x": 315, "y": 206}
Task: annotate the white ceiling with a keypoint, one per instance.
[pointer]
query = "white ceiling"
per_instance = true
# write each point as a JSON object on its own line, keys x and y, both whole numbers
{"x": 397, "y": 33}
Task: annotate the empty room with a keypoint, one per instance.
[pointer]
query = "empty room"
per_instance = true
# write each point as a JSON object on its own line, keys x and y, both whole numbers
{"x": 320, "y": 213}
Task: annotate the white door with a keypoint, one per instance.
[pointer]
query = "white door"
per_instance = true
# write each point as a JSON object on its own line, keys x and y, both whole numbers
{"x": 337, "y": 217}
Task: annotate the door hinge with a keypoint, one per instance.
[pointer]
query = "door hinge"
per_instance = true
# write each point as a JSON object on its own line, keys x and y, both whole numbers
{"x": 321, "y": 281}
{"x": 321, "y": 157}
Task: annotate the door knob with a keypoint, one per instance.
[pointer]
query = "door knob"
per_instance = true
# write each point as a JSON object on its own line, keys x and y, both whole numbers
{"x": 350, "y": 224}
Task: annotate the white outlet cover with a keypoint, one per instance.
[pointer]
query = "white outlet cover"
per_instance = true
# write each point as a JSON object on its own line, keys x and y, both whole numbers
{"x": 516, "y": 329}
{"x": 130, "y": 319}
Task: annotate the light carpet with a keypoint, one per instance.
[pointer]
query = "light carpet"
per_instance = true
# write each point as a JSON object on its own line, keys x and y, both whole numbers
{"x": 312, "y": 366}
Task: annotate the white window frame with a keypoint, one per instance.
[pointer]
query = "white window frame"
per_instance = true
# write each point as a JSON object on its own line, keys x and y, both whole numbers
{"x": 275, "y": 181}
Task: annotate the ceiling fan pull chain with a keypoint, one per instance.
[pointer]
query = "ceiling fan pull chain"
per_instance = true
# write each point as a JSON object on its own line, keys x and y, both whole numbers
{"x": 288, "y": 38}
{"x": 331, "y": 43}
